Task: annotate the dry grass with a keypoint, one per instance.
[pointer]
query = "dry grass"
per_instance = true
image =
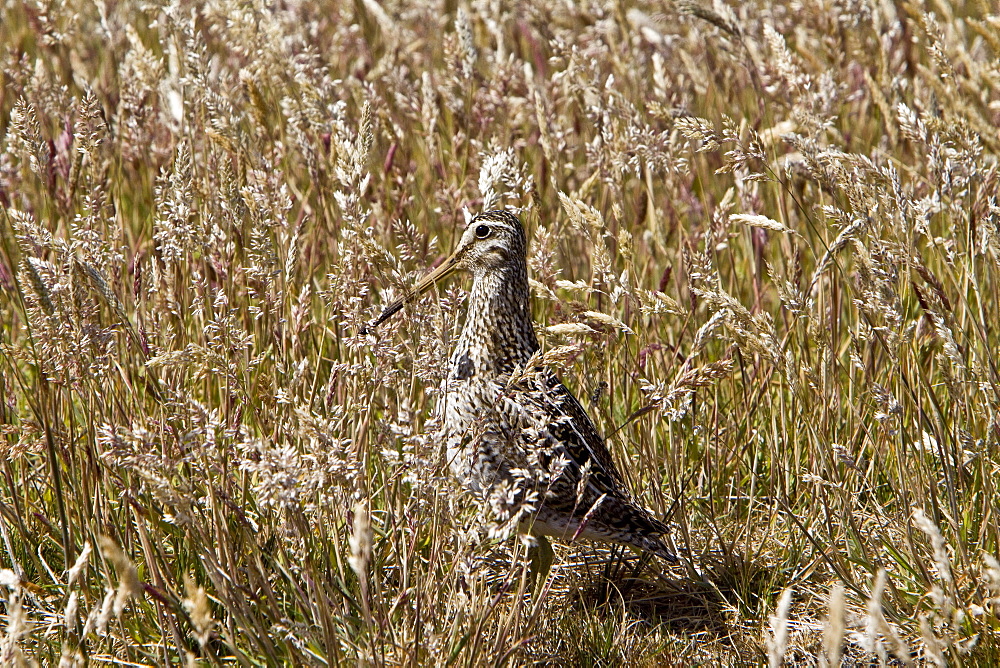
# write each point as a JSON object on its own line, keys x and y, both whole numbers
{"x": 768, "y": 231}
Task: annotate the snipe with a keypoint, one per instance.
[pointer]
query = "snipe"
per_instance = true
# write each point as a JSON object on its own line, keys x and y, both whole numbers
{"x": 515, "y": 435}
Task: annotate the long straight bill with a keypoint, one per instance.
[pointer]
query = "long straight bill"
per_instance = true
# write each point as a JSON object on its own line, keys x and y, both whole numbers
{"x": 422, "y": 286}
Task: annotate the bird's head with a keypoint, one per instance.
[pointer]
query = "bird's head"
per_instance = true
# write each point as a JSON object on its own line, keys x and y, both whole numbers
{"x": 492, "y": 241}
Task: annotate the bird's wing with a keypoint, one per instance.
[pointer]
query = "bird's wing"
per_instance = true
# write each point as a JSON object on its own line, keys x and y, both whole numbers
{"x": 568, "y": 427}
{"x": 589, "y": 483}
{"x": 552, "y": 440}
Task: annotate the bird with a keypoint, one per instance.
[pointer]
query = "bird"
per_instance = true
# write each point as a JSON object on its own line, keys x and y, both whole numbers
{"x": 515, "y": 435}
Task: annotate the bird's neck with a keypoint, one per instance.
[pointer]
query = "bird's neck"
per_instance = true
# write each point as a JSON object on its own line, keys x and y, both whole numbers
{"x": 498, "y": 333}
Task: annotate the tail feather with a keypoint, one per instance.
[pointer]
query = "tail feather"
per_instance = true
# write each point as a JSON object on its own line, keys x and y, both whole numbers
{"x": 635, "y": 526}
{"x": 613, "y": 520}
{"x": 658, "y": 547}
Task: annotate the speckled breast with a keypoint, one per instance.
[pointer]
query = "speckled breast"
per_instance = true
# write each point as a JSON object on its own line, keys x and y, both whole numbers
{"x": 472, "y": 431}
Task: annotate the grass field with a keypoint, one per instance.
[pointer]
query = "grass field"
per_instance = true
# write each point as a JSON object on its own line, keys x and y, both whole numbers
{"x": 764, "y": 239}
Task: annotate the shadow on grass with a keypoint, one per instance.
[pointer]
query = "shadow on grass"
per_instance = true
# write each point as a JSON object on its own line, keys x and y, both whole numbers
{"x": 683, "y": 595}
{"x": 704, "y": 604}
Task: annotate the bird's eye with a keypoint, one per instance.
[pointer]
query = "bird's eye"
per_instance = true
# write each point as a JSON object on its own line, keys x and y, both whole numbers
{"x": 482, "y": 231}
